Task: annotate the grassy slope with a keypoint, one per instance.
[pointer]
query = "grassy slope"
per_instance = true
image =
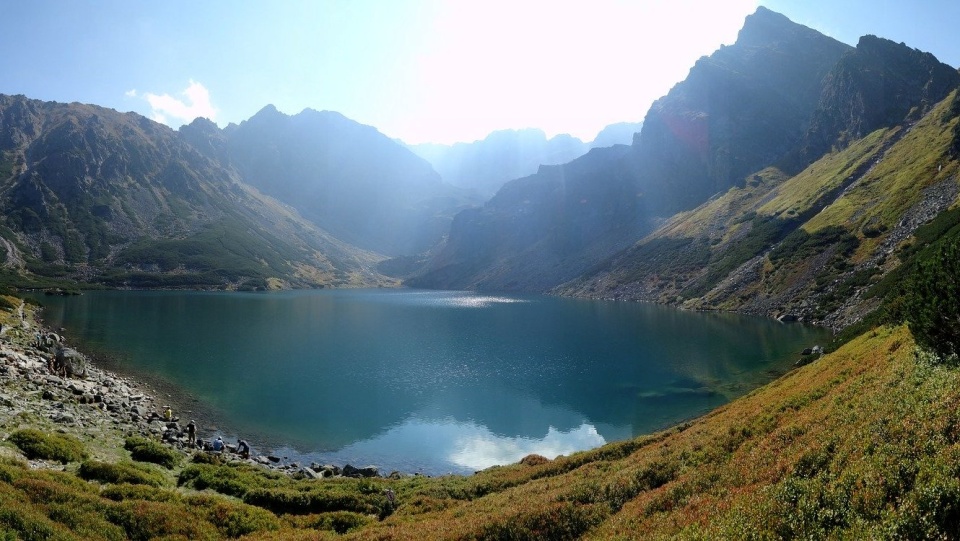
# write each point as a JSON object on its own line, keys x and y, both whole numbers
{"x": 834, "y": 221}
{"x": 863, "y": 442}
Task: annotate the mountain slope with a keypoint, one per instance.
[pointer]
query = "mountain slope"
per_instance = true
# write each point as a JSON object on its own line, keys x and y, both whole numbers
{"x": 820, "y": 246}
{"x": 540, "y": 230}
{"x": 91, "y": 194}
{"x": 744, "y": 107}
{"x": 347, "y": 178}
{"x": 739, "y": 110}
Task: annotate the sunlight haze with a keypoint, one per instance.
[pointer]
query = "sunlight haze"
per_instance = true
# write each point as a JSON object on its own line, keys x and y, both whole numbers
{"x": 420, "y": 71}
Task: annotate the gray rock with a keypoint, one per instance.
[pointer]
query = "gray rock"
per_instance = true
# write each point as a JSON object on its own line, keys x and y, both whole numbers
{"x": 310, "y": 474}
{"x": 64, "y": 418}
{"x": 368, "y": 471}
{"x": 71, "y": 362}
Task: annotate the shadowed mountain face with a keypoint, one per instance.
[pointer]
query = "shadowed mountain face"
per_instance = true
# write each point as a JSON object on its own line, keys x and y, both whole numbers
{"x": 90, "y": 193}
{"x": 742, "y": 108}
{"x": 879, "y": 84}
{"x": 347, "y": 178}
{"x": 541, "y": 229}
{"x": 835, "y": 240}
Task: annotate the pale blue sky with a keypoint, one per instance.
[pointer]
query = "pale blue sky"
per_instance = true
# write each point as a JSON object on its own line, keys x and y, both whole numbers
{"x": 430, "y": 70}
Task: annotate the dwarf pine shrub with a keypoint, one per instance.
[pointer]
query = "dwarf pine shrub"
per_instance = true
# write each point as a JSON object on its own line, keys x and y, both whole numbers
{"x": 48, "y": 446}
{"x": 145, "y": 450}
{"x": 123, "y": 472}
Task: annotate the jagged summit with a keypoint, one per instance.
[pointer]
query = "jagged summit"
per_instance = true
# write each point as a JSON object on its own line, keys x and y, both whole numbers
{"x": 765, "y": 26}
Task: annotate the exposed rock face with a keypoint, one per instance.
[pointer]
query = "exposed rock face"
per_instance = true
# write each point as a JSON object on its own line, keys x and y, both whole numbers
{"x": 879, "y": 84}
{"x": 739, "y": 110}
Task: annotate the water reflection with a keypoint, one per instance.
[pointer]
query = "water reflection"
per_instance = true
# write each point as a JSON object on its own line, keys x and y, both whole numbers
{"x": 437, "y": 447}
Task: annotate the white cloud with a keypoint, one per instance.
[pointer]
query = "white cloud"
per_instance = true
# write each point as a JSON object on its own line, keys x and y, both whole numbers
{"x": 172, "y": 111}
{"x": 132, "y": 93}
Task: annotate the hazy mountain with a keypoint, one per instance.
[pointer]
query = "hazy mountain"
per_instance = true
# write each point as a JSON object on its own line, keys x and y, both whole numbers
{"x": 89, "y": 193}
{"x": 742, "y": 108}
{"x": 621, "y": 133}
{"x": 485, "y": 165}
{"x": 346, "y": 177}
{"x": 541, "y": 229}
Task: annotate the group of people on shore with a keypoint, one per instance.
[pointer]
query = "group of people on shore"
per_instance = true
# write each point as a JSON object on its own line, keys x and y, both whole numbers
{"x": 217, "y": 445}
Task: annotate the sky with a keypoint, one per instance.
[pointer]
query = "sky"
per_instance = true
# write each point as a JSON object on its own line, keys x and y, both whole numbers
{"x": 418, "y": 70}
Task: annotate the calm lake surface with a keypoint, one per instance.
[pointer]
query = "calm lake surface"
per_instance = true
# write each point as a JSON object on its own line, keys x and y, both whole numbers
{"x": 426, "y": 381}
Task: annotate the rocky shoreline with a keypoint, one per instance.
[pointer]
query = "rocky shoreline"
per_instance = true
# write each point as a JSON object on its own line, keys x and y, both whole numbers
{"x": 68, "y": 394}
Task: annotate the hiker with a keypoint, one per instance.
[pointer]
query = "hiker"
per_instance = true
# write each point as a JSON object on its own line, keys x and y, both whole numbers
{"x": 167, "y": 414}
{"x": 218, "y": 444}
{"x": 192, "y": 433}
{"x": 243, "y": 449}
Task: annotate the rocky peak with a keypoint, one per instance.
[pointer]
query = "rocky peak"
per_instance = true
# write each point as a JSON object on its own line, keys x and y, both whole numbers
{"x": 879, "y": 84}
{"x": 764, "y": 27}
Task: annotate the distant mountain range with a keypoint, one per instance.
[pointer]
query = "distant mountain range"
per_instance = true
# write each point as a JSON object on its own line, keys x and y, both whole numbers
{"x": 484, "y": 166}
{"x": 789, "y": 174}
{"x": 315, "y": 199}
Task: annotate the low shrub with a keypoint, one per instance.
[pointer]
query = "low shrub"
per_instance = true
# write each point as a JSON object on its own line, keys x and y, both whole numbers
{"x": 340, "y": 522}
{"x": 233, "y": 519}
{"x": 554, "y": 521}
{"x": 123, "y": 472}
{"x": 151, "y": 520}
{"x": 48, "y": 446}
{"x": 230, "y": 479}
{"x": 145, "y": 450}
{"x": 324, "y": 498}
{"x": 123, "y": 491}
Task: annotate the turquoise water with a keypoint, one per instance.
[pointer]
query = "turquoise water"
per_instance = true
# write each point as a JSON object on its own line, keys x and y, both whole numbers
{"x": 427, "y": 381}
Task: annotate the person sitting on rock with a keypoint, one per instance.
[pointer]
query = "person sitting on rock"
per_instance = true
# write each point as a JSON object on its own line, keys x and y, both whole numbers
{"x": 218, "y": 445}
{"x": 243, "y": 449}
{"x": 167, "y": 414}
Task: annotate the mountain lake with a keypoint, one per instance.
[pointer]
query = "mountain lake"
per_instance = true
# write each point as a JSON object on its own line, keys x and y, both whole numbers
{"x": 425, "y": 381}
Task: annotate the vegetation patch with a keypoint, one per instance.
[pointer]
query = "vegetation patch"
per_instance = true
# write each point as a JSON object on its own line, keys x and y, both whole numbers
{"x": 146, "y": 450}
{"x": 48, "y": 446}
{"x": 122, "y": 472}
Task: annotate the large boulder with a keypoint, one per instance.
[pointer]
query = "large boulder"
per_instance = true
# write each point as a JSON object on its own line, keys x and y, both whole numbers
{"x": 368, "y": 471}
{"x": 71, "y": 362}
